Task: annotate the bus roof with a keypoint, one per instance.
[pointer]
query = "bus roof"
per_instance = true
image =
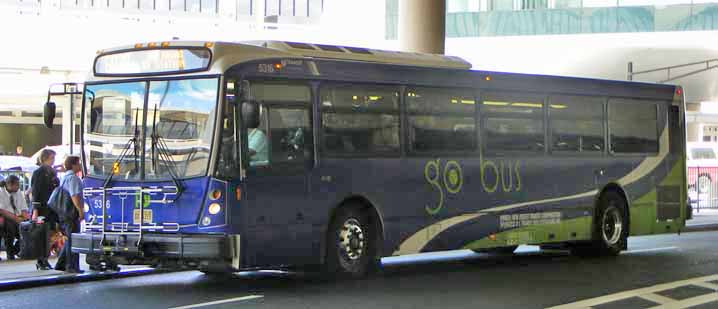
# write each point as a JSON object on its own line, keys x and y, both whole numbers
{"x": 366, "y": 54}
{"x": 228, "y": 54}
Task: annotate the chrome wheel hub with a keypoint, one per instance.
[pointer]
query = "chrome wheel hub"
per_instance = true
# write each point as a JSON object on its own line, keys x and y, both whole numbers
{"x": 352, "y": 239}
{"x": 612, "y": 226}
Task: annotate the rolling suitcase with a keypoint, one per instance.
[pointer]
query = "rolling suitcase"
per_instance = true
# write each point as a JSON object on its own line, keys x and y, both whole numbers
{"x": 33, "y": 240}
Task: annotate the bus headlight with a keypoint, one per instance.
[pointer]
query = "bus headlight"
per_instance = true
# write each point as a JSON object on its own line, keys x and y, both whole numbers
{"x": 206, "y": 221}
{"x": 86, "y": 207}
{"x": 214, "y": 208}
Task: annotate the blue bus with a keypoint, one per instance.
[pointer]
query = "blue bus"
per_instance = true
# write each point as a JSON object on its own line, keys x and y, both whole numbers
{"x": 226, "y": 156}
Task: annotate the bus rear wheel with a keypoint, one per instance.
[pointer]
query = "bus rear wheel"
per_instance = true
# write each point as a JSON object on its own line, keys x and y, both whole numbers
{"x": 351, "y": 245}
{"x": 610, "y": 228}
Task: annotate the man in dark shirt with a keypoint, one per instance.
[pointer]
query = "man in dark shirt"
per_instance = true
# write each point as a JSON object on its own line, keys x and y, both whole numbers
{"x": 43, "y": 181}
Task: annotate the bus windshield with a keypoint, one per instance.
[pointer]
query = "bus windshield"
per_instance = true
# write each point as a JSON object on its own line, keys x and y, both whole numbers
{"x": 174, "y": 118}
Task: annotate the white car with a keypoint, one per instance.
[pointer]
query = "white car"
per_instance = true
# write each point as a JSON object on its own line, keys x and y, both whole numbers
{"x": 61, "y": 151}
{"x": 17, "y": 163}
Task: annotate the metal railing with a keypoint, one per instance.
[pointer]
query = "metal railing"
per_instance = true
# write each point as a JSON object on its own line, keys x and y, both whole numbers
{"x": 703, "y": 187}
{"x": 709, "y": 65}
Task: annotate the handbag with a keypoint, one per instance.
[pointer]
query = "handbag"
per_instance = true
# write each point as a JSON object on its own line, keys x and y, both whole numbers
{"x": 61, "y": 204}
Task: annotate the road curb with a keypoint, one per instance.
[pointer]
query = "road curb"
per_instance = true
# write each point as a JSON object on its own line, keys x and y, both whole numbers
{"x": 24, "y": 283}
{"x": 700, "y": 228}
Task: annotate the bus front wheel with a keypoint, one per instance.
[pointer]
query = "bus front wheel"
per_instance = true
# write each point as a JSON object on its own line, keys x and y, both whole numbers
{"x": 610, "y": 227}
{"x": 351, "y": 244}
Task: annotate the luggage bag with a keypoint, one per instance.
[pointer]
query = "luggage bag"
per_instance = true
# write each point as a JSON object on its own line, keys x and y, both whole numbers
{"x": 33, "y": 240}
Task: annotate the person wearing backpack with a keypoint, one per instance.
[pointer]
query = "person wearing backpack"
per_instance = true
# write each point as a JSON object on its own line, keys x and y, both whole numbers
{"x": 43, "y": 182}
{"x": 72, "y": 186}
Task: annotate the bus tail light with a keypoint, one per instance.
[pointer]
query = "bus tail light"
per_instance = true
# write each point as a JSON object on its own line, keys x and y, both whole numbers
{"x": 238, "y": 192}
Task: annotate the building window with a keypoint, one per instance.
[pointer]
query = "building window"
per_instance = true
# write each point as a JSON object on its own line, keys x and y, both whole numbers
{"x": 301, "y": 8}
{"x": 271, "y": 7}
{"x": 286, "y": 7}
{"x": 244, "y": 7}
{"x": 441, "y": 120}
{"x": 633, "y": 125}
{"x": 147, "y": 5}
{"x": 177, "y": 5}
{"x": 315, "y": 8}
{"x": 576, "y": 123}
{"x": 360, "y": 120}
{"x": 208, "y": 6}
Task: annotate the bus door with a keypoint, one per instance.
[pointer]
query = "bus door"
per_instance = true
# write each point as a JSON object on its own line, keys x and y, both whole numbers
{"x": 280, "y": 153}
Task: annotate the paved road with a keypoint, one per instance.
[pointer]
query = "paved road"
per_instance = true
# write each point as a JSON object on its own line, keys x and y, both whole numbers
{"x": 530, "y": 279}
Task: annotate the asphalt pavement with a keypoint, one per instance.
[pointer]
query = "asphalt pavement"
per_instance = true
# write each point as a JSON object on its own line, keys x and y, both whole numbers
{"x": 459, "y": 279}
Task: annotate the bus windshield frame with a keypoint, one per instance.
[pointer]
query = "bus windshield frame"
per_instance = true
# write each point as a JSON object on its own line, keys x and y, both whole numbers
{"x": 145, "y": 134}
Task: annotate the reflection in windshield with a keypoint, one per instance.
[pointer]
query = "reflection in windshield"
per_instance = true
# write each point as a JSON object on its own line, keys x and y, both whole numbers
{"x": 115, "y": 116}
{"x": 178, "y": 112}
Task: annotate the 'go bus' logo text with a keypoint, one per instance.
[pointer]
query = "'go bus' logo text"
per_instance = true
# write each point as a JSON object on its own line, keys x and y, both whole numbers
{"x": 449, "y": 178}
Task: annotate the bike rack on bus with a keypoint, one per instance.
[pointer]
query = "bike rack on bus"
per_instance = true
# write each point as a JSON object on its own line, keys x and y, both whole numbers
{"x": 169, "y": 193}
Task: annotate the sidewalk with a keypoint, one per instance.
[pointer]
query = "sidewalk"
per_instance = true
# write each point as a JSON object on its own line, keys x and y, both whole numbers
{"x": 703, "y": 220}
{"x": 22, "y": 273}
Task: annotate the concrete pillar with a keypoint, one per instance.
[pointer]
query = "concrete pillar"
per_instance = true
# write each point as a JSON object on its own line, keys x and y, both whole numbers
{"x": 693, "y": 132}
{"x": 422, "y": 26}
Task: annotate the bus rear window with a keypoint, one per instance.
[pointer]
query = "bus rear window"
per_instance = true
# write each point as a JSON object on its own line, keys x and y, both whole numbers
{"x": 153, "y": 61}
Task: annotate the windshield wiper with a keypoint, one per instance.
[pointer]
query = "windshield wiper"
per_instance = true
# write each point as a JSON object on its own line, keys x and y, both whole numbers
{"x": 160, "y": 150}
{"x": 131, "y": 142}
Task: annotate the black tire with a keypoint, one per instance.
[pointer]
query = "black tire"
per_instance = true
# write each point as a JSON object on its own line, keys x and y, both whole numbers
{"x": 610, "y": 228}
{"x": 351, "y": 244}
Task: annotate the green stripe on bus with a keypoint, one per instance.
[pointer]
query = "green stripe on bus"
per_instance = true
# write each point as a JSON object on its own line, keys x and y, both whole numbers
{"x": 572, "y": 229}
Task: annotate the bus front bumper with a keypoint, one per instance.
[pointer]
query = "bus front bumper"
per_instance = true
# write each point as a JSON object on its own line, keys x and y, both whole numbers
{"x": 182, "y": 246}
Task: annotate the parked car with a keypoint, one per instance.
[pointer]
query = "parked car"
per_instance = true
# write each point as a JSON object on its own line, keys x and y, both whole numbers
{"x": 61, "y": 151}
{"x": 702, "y": 174}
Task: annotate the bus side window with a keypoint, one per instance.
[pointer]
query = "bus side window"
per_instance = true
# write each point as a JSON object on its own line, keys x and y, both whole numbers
{"x": 289, "y": 133}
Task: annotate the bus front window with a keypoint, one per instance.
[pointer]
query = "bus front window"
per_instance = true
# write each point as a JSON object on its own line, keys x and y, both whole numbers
{"x": 180, "y": 118}
{"x": 114, "y": 114}
{"x": 174, "y": 121}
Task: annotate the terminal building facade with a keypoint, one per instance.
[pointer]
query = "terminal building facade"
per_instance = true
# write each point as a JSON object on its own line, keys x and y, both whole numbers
{"x": 588, "y": 38}
{"x": 592, "y": 38}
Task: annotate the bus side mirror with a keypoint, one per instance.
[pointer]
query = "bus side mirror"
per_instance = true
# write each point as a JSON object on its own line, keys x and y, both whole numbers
{"x": 48, "y": 114}
{"x": 250, "y": 114}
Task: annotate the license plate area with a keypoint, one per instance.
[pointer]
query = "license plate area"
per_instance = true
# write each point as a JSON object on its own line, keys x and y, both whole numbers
{"x": 147, "y": 216}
